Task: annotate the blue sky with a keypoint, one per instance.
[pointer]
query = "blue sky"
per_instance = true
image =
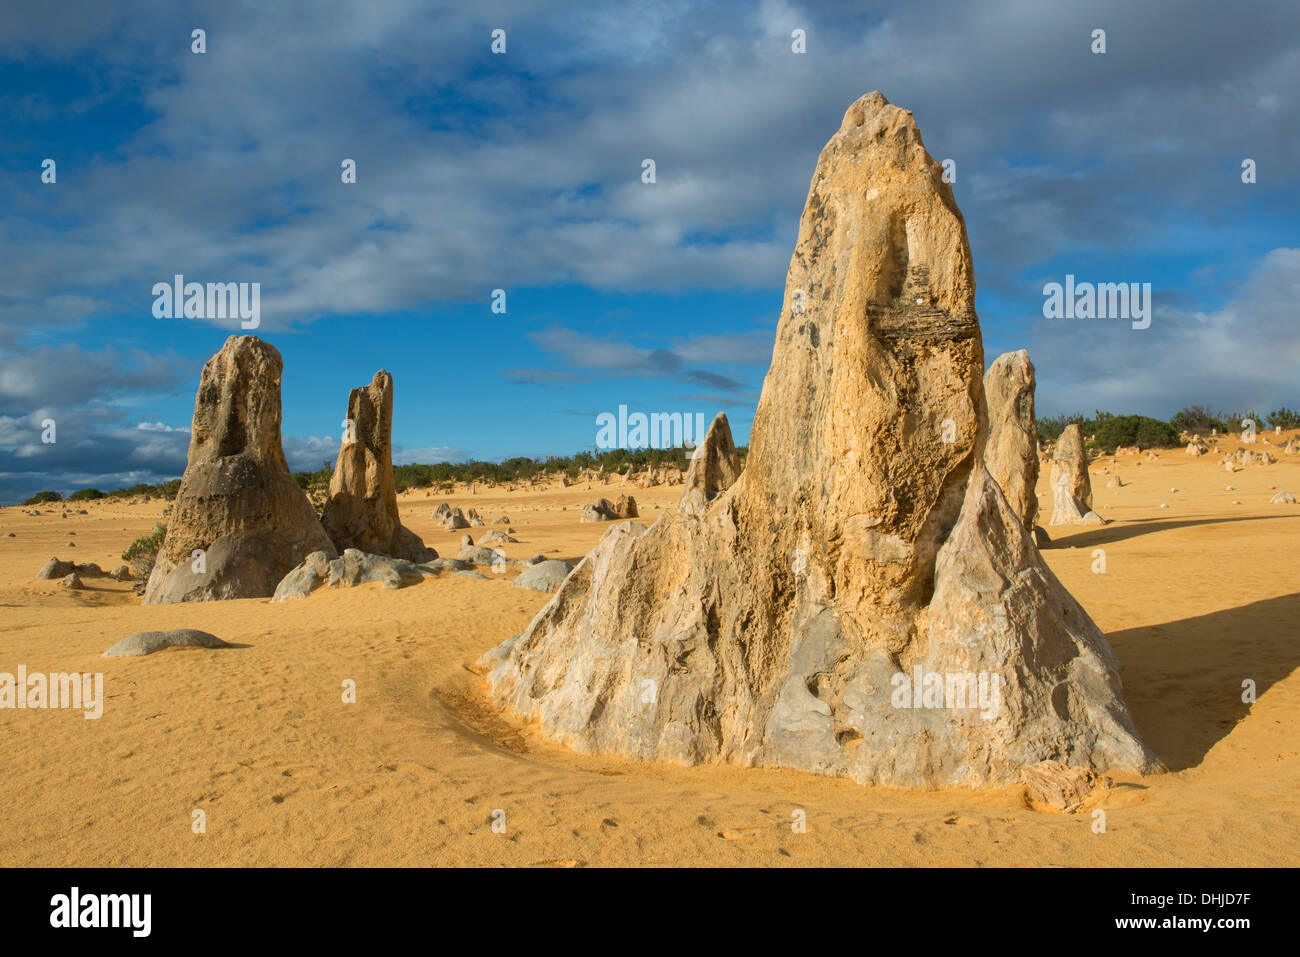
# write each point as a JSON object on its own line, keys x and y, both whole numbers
{"x": 522, "y": 171}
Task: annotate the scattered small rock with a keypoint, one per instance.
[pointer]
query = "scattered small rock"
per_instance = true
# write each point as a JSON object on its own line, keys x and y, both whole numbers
{"x": 1064, "y": 788}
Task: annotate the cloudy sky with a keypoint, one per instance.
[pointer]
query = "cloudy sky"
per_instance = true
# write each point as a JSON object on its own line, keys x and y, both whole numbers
{"x": 522, "y": 171}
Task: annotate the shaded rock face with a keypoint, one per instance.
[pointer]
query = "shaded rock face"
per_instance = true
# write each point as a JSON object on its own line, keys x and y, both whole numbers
{"x": 1071, "y": 487}
{"x": 1011, "y": 453}
{"x": 237, "y": 501}
{"x": 862, "y": 549}
{"x": 361, "y": 512}
{"x": 714, "y": 468}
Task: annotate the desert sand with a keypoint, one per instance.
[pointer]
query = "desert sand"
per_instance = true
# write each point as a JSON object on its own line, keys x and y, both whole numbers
{"x": 1195, "y": 598}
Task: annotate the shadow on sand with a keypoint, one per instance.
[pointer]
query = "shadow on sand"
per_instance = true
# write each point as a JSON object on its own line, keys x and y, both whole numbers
{"x": 1183, "y": 679}
{"x": 1118, "y": 533}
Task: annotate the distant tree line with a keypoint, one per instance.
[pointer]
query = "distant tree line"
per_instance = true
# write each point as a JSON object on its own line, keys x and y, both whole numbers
{"x": 1105, "y": 430}
{"x": 442, "y": 475}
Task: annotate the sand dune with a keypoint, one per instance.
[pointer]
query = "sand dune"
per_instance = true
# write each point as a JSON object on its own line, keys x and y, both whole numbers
{"x": 1196, "y": 597}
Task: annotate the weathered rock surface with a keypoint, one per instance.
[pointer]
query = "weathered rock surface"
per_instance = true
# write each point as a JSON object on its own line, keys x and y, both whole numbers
{"x": 147, "y": 642}
{"x": 1012, "y": 450}
{"x": 237, "y": 502}
{"x": 1071, "y": 487}
{"x": 361, "y": 511}
{"x": 714, "y": 468}
{"x": 1282, "y": 498}
{"x": 863, "y": 547}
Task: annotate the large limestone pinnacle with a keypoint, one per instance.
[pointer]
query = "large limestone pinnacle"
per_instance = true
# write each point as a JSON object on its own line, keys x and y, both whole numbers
{"x": 240, "y": 521}
{"x": 802, "y": 616}
{"x": 362, "y": 508}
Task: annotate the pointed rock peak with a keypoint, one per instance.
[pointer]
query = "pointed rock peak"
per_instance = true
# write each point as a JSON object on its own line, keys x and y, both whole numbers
{"x": 362, "y": 509}
{"x": 714, "y": 468}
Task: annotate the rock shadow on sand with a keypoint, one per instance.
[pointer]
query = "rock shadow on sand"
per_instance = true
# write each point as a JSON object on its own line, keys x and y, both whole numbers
{"x": 1183, "y": 679}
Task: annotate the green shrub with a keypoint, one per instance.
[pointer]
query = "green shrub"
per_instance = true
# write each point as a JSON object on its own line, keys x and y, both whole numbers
{"x": 85, "y": 495}
{"x": 41, "y": 498}
{"x": 141, "y": 554}
{"x": 1198, "y": 420}
{"x": 1138, "y": 430}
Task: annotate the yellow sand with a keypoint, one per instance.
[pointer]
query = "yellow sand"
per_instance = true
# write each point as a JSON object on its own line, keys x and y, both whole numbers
{"x": 1195, "y": 598}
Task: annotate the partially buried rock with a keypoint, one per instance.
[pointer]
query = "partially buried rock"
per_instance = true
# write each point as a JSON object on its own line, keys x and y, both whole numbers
{"x": 147, "y": 642}
{"x": 545, "y": 576}
{"x": 72, "y": 581}
{"x": 478, "y": 555}
{"x": 304, "y": 579}
{"x": 495, "y": 536}
{"x": 1282, "y": 498}
{"x": 446, "y": 564}
{"x": 862, "y": 554}
{"x": 352, "y": 568}
{"x": 1012, "y": 450}
{"x": 361, "y": 512}
{"x": 54, "y": 568}
{"x": 240, "y": 522}
{"x": 355, "y": 567}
